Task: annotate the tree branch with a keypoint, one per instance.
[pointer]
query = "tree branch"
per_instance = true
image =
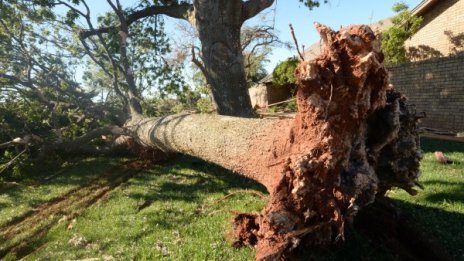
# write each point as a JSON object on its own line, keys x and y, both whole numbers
{"x": 134, "y": 98}
{"x": 15, "y": 80}
{"x": 198, "y": 63}
{"x": 253, "y": 7}
{"x": 174, "y": 11}
{"x": 14, "y": 142}
{"x": 95, "y": 133}
{"x": 7, "y": 165}
{"x": 296, "y": 42}
{"x": 114, "y": 74}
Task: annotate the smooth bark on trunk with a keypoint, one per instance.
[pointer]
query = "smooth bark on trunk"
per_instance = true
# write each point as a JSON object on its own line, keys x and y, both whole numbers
{"x": 218, "y": 23}
{"x": 354, "y": 137}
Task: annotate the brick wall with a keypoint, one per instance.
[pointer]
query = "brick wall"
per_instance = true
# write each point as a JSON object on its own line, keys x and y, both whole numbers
{"x": 436, "y": 86}
{"x": 446, "y": 15}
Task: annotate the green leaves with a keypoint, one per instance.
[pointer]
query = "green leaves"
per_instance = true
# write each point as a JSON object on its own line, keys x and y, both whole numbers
{"x": 400, "y": 7}
{"x": 44, "y": 3}
{"x": 284, "y": 73}
{"x": 71, "y": 17}
{"x": 45, "y": 13}
{"x": 404, "y": 26}
{"x": 313, "y": 3}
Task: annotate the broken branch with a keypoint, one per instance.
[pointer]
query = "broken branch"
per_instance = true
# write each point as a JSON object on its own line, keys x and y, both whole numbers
{"x": 296, "y": 42}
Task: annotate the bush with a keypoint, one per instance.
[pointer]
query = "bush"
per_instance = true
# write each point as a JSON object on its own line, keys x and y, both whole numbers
{"x": 284, "y": 73}
{"x": 404, "y": 26}
{"x": 205, "y": 105}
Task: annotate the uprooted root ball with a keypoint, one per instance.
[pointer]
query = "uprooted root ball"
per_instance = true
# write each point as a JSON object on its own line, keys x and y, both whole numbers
{"x": 354, "y": 137}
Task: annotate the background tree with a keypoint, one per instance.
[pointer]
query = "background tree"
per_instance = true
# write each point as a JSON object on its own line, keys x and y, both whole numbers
{"x": 405, "y": 24}
{"x": 218, "y": 24}
{"x": 257, "y": 43}
{"x": 284, "y": 72}
{"x": 48, "y": 59}
{"x": 40, "y": 101}
{"x": 38, "y": 66}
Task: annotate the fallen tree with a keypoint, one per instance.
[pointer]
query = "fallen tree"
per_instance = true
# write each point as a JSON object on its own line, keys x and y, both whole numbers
{"x": 354, "y": 137}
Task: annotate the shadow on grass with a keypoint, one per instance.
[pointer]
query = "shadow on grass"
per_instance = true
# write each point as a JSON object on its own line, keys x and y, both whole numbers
{"x": 420, "y": 233}
{"x": 381, "y": 232}
{"x": 204, "y": 178}
{"x": 432, "y": 145}
{"x": 183, "y": 185}
{"x": 438, "y": 226}
{"x": 454, "y": 191}
{"x": 37, "y": 188}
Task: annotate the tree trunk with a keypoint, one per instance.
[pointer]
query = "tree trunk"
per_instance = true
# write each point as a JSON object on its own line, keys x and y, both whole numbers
{"x": 353, "y": 138}
{"x": 218, "y": 23}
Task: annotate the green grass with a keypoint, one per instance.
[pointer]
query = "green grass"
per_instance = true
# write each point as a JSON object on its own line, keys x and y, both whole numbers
{"x": 439, "y": 208}
{"x": 171, "y": 212}
{"x": 36, "y": 190}
{"x": 181, "y": 220}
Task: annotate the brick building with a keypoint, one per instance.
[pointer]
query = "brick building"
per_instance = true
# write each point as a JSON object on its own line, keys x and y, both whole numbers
{"x": 434, "y": 82}
{"x": 435, "y": 86}
{"x": 443, "y": 22}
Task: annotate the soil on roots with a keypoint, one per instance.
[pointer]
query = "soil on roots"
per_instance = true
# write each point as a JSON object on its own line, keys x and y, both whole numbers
{"x": 329, "y": 161}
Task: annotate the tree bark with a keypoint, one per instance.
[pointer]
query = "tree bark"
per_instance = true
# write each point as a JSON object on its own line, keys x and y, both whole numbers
{"x": 354, "y": 137}
{"x": 218, "y": 23}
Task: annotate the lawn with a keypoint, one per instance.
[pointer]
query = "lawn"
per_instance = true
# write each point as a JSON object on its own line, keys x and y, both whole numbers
{"x": 439, "y": 208}
{"x": 179, "y": 211}
{"x": 172, "y": 211}
{"x": 39, "y": 188}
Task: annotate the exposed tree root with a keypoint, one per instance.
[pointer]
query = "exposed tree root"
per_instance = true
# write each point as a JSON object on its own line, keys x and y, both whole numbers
{"x": 243, "y": 191}
{"x": 354, "y": 137}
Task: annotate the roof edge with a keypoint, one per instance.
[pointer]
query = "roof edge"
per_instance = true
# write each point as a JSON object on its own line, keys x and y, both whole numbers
{"x": 423, "y": 6}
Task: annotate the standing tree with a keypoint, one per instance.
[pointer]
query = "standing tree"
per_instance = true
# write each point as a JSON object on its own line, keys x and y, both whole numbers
{"x": 218, "y": 23}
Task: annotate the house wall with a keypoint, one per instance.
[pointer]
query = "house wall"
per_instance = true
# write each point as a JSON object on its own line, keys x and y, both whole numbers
{"x": 264, "y": 94}
{"x": 278, "y": 94}
{"x": 258, "y": 96}
{"x": 436, "y": 86}
{"x": 445, "y": 15}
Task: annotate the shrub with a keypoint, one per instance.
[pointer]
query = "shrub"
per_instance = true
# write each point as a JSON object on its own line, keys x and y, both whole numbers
{"x": 284, "y": 73}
